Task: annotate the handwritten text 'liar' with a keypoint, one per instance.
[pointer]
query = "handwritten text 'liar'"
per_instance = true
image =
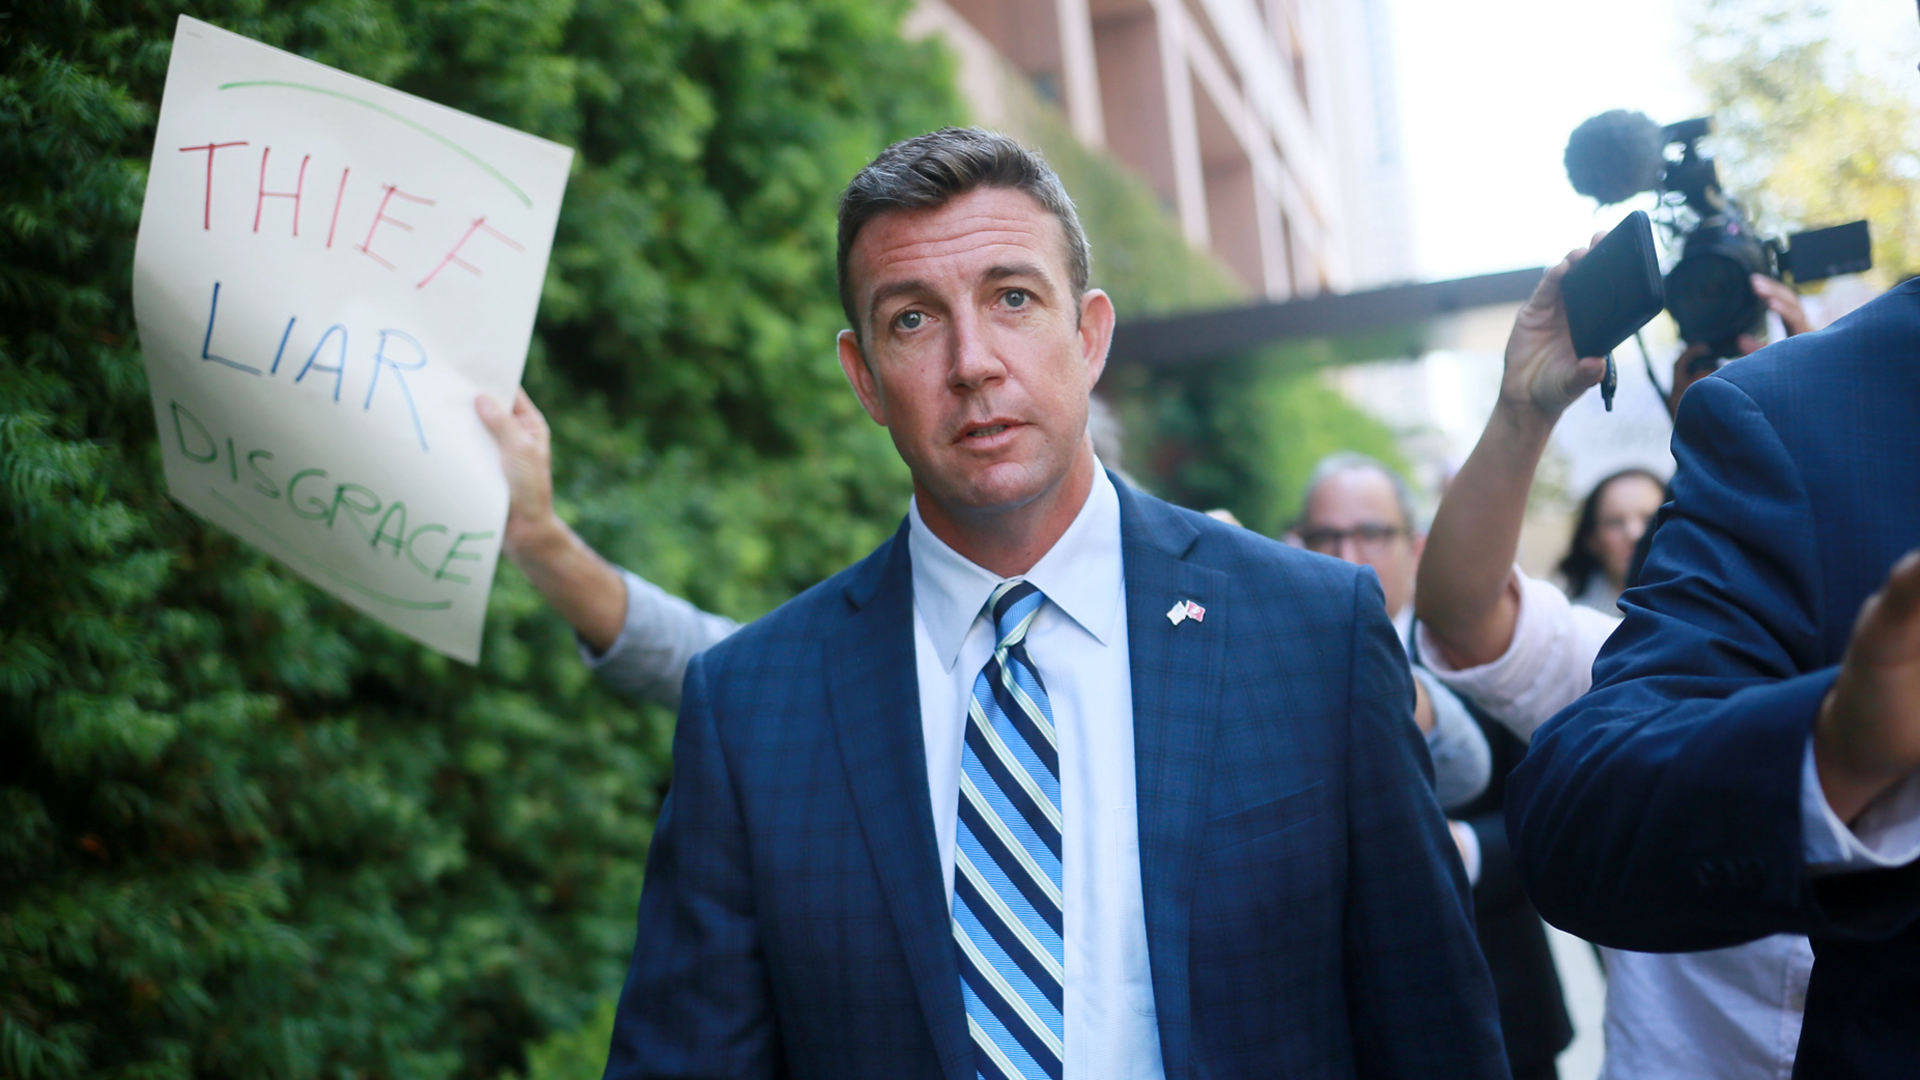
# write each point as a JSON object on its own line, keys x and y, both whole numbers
{"x": 390, "y": 353}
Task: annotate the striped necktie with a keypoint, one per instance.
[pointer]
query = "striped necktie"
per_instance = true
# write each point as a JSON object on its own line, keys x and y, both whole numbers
{"x": 1006, "y": 885}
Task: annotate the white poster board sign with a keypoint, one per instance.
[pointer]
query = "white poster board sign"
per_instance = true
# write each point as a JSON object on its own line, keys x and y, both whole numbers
{"x": 328, "y": 272}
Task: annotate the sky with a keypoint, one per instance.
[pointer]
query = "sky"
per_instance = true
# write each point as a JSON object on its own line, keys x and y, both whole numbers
{"x": 1490, "y": 90}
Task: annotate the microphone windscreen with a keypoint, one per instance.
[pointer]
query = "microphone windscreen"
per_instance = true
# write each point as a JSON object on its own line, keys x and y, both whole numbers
{"x": 1616, "y": 155}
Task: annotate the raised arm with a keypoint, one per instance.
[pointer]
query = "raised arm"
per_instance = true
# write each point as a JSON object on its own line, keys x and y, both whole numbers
{"x": 637, "y": 637}
{"x": 1463, "y": 597}
{"x": 583, "y": 587}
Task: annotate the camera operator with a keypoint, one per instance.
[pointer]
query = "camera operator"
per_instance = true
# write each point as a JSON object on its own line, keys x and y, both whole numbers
{"x": 1695, "y": 363}
{"x": 1517, "y": 647}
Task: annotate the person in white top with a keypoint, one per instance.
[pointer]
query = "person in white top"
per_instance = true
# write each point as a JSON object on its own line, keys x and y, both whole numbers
{"x": 1519, "y": 649}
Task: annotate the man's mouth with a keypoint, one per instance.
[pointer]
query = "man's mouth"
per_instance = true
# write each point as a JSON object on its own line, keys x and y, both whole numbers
{"x": 985, "y": 431}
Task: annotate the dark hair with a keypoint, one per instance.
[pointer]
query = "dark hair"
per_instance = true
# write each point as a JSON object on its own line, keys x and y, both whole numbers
{"x": 1580, "y": 563}
{"x": 928, "y": 171}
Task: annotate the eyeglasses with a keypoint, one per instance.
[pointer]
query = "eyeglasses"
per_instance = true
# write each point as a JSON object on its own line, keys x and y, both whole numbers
{"x": 1367, "y": 537}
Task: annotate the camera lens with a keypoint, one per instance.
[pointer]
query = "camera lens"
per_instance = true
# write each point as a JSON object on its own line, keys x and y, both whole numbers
{"x": 1708, "y": 291}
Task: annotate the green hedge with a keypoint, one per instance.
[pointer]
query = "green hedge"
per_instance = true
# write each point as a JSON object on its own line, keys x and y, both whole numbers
{"x": 247, "y": 833}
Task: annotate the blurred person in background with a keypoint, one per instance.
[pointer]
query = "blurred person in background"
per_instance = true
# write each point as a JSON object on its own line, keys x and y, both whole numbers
{"x": 1612, "y": 519}
{"x": 1359, "y": 510}
{"x": 1517, "y": 647}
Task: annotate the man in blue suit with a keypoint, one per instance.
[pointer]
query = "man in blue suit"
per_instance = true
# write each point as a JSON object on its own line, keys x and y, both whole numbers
{"x": 1745, "y": 764}
{"x": 1060, "y": 781}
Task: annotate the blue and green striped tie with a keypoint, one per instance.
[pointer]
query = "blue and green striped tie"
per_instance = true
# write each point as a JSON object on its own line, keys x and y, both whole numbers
{"x": 1006, "y": 885}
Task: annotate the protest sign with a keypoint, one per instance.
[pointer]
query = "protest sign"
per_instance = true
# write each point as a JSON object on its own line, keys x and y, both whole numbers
{"x": 328, "y": 271}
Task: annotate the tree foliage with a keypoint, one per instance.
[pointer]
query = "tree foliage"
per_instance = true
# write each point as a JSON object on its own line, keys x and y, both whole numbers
{"x": 245, "y": 832}
{"x": 1805, "y": 135}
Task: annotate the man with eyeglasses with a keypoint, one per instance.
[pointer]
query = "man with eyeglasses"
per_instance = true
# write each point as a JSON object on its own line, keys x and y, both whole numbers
{"x": 1358, "y": 510}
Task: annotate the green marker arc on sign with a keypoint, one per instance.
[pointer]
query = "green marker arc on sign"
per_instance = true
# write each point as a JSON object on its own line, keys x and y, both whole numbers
{"x": 390, "y": 114}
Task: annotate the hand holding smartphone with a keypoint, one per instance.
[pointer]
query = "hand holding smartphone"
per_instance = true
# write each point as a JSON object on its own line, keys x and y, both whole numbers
{"x": 1613, "y": 292}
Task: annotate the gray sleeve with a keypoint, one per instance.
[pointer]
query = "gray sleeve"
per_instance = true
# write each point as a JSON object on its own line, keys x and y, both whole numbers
{"x": 662, "y": 634}
{"x": 1462, "y": 762}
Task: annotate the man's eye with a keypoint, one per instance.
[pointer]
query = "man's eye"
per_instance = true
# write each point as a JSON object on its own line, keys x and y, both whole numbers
{"x": 910, "y": 320}
{"x": 1016, "y": 298}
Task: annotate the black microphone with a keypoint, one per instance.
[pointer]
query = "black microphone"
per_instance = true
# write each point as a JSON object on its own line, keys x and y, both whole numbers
{"x": 1616, "y": 155}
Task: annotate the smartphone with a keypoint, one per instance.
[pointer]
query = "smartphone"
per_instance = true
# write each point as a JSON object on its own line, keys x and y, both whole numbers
{"x": 1616, "y": 289}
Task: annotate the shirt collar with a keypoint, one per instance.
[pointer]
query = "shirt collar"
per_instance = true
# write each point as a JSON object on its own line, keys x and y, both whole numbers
{"x": 1080, "y": 574}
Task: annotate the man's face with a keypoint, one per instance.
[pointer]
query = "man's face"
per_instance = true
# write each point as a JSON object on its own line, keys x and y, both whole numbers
{"x": 972, "y": 350}
{"x": 1354, "y": 515}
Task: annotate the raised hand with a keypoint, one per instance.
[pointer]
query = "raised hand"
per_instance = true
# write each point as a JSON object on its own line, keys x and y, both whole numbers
{"x": 1868, "y": 735}
{"x": 526, "y": 456}
{"x": 583, "y": 587}
{"x": 1542, "y": 373}
{"x": 1784, "y": 302}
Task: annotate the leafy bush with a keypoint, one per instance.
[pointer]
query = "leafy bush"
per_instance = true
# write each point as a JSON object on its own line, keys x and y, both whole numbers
{"x": 245, "y": 832}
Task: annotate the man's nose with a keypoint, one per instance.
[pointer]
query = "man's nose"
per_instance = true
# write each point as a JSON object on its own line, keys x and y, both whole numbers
{"x": 974, "y": 362}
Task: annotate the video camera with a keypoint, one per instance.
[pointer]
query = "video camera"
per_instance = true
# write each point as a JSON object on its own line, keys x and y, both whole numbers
{"x": 1619, "y": 154}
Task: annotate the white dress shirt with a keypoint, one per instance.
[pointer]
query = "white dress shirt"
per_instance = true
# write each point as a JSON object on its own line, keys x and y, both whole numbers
{"x": 1078, "y": 643}
{"x": 1732, "y": 1013}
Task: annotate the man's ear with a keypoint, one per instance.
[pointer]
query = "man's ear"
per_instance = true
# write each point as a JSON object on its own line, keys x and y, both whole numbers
{"x": 865, "y": 386}
{"x": 1096, "y": 331}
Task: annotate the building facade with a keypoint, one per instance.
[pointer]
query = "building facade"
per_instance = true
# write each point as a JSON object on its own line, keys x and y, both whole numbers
{"x": 1242, "y": 116}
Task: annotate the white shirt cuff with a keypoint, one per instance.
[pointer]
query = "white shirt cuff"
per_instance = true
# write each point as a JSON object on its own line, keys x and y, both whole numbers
{"x": 1886, "y": 835}
{"x": 1469, "y": 842}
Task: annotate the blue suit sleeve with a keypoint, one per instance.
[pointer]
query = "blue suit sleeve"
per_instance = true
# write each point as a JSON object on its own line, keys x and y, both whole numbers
{"x": 697, "y": 1001}
{"x": 1661, "y": 812}
{"x": 1419, "y": 998}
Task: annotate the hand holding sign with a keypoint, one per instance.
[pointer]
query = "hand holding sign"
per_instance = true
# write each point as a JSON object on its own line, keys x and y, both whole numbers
{"x": 328, "y": 272}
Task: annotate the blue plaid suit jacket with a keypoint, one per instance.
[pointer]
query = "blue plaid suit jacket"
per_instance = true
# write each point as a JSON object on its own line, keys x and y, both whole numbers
{"x": 1306, "y": 915}
{"x": 1661, "y": 812}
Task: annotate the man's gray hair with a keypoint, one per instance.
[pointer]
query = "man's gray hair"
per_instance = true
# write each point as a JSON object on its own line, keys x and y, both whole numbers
{"x": 928, "y": 171}
{"x": 1348, "y": 461}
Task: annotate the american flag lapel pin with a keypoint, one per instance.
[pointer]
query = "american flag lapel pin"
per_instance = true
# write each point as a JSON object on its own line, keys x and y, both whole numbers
{"x": 1184, "y": 610}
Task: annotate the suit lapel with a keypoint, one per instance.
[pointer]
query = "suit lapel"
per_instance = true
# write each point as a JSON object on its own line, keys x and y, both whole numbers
{"x": 1177, "y": 670}
{"x": 875, "y": 695}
